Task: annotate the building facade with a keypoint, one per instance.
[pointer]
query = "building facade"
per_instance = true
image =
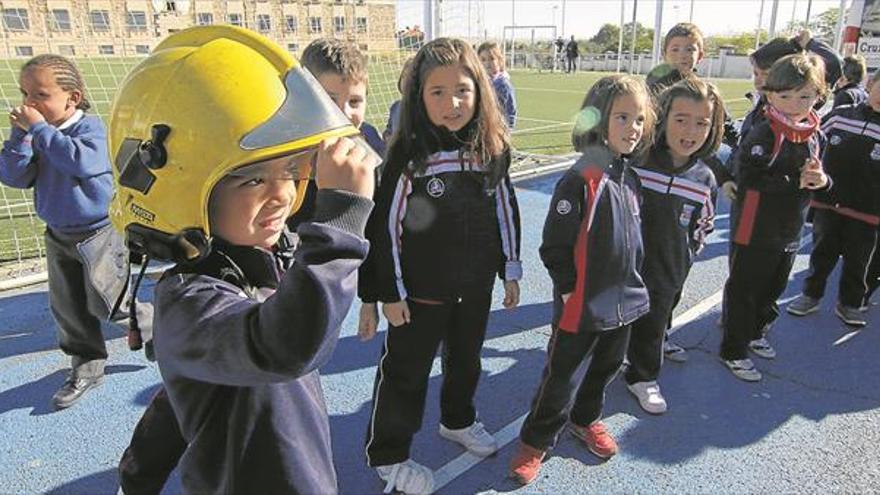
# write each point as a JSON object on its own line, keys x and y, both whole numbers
{"x": 114, "y": 28}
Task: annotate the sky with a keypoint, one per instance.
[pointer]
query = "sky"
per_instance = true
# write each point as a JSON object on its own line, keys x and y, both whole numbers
{"x": 583, "y": 18}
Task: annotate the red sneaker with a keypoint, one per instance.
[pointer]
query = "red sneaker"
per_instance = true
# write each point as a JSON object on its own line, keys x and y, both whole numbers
{"x": 597, "y": 438}
{"x": 526, "y": 463}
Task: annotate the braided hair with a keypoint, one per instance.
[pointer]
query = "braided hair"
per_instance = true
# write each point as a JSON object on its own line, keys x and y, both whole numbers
{"x": 67, "y": 75}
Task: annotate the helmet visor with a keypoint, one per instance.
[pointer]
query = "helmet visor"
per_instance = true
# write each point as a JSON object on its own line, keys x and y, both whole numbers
{"x": 307, "y": 111}
{"x": 293, "y": 166}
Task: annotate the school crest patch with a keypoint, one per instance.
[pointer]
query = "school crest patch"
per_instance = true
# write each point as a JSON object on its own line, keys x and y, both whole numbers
{"x": 835, "y": 139}
{"x": 436, "y": 187}
{"x": 687, "y": 212}
{"x": 875, "y": 153}
{"x": 563, "y": 207}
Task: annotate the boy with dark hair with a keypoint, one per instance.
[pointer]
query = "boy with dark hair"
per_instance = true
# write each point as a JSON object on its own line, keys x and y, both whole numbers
{"x": 849, "y": 87}
{"x": 846, "y": 217}
{"x": 341, "y": 69}
{"x": 780, "y": 166}
{"x": 682, "y": 51}
{"x": 247, "y": 315}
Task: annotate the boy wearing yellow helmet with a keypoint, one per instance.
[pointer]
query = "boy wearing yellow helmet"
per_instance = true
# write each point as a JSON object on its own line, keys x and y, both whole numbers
{"x": 213, "y": 138}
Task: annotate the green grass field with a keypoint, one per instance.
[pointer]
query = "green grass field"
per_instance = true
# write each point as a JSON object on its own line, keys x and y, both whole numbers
{"x": 547, "y": 106}
{"x": 548, "y": 103}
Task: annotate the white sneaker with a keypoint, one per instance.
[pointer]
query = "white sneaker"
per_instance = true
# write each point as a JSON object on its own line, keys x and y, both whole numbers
{"x": 407, "y": 477}
{"x": 762, "y": 348}
{"x": 649, "y": 396}
{"x": 475, "y": 438}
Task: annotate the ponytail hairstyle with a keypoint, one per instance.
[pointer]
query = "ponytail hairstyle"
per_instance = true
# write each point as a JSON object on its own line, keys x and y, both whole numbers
{"x": 591, "y": 126}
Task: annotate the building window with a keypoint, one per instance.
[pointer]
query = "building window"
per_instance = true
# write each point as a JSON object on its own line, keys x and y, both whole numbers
{"x": 105, "y": 49}
{"x": 67, "y": 50}
{"x": 315, "y": 25}
{"x": 204, "y": 18}
{"x": 361, "y": 24}
{"x": 24, "y": 51}
{"x": 293, "y": 47}
{"x": 16, "y": 19}
{"x": 136, "y": 20}
{"x": 59, "y": 20}
{"x": 290, "y": 23}
{"x": 264, "y": 23}
{"x": 142, "y": 49}
{"x": 100, "y": 20}
{"x": 234, "y": 19}
{"x": 339, "y": 24}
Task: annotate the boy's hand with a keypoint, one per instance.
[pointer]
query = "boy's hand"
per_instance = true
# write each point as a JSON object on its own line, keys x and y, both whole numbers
{"x": 397, "y": 313}
{"x": 25, "y": 117}
{"x": 729, "y": 190}
{"x": 511, "y": 294}
{"x": 812, "y": 175}
{"x": 368, "y": 321}
{"x": 344, "y": 164}
{"x": 803, "y": 38}
{"x": 565, "y": 297}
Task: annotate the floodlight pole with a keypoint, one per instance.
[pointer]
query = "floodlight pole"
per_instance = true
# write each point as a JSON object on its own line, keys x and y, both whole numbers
{"x": 773, "y": 13}
{"x": 632, "y": 48}
{"x": 758, "y": 30}
{"x": 513, "y": 34}
{"x": 658, "y": 26}
{"x": 620, "y": 36}
{"x": 428, "y": 19}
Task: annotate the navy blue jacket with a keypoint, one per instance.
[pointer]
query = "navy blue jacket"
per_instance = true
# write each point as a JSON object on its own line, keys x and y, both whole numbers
{"x": 241, "y": 374}
{"x": 852, "y": 160}
{"x": 770, "y": 207}
{"x": 443, "y": 232}
{"x": 592, "y": 245}
{"x": 678, "y": 212}
{"x": 851, "y": 94}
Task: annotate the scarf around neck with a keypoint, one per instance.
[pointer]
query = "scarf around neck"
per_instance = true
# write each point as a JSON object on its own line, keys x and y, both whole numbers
{"x": 795, "y": 132}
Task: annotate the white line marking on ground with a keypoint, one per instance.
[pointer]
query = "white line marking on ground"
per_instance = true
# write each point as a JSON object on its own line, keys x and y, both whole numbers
{"x": 845, "y": 338}
{"x": 551, "y": 90}
{"x": 541, "y": 127}
{"x": 544, "y": 121}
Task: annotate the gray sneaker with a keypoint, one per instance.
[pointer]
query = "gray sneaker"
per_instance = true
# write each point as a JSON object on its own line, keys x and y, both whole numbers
{"x": 850, "y": 315}
{"x": 803, "y": 305}
{"x": 744, "y": 369}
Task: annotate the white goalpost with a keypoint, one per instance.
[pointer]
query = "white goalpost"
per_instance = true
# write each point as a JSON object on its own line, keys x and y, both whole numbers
{"x": 537, "y": 46}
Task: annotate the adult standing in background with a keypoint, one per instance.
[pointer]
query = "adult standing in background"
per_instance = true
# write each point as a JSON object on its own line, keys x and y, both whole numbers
{"x": 571, "y": 55}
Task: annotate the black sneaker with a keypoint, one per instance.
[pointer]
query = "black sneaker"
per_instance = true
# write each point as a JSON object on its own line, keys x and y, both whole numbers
{"x": 73, "y": 389}
{"x": 850, "y": 315}
{"x": 803, "y": 305}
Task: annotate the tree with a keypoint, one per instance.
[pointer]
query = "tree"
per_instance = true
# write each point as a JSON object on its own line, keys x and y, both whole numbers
{"x": 742, "y": 43}
{"x": 609, "y": 34}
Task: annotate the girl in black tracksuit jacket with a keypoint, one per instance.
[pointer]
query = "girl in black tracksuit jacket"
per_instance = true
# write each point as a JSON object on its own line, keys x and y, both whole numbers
{"x": 592, "y": 248}
{"x": 446, "y": 224}
{"x": 779, "y": 164}
{"x": 678, "y": 212}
